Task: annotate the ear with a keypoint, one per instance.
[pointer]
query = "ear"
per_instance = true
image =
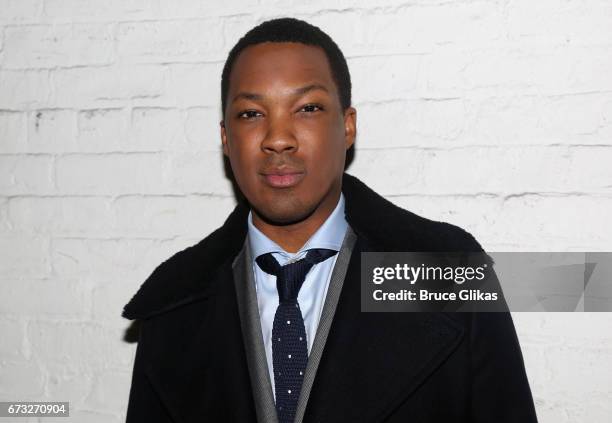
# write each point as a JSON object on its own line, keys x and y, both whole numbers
{"x": 224, "y": 138}
{"x": 350, "y": 126}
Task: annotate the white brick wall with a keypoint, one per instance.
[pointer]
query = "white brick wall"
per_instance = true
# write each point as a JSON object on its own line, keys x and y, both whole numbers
{"x": 494, "y": 115}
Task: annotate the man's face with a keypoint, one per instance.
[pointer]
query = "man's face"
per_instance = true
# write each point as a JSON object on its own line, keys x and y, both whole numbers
{"x": 285, "y": 132}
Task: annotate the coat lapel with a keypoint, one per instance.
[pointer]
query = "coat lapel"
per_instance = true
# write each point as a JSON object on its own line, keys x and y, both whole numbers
{"x": 251, "y": 330}
{"x": 374, "y": 361}
{"x": 327, "y": 317}
{"x": 205, "y": 372}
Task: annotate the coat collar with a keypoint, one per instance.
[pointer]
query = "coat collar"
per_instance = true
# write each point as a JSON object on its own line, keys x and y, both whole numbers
{"x": 186, "y": 276}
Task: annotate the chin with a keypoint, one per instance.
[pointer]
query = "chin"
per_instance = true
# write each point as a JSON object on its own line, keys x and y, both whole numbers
{"x": 284, "y": 213}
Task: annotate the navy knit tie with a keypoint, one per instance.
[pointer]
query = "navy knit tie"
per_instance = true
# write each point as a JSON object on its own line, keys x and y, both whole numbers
{"x": 289, "y": 348}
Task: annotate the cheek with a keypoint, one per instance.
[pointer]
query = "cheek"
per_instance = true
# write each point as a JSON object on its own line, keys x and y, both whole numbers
{"x": 245, "y": 171}
{"x": 335, "y": 142}
{"x": 326, "y": 157}
{"x": 243, "y": 153}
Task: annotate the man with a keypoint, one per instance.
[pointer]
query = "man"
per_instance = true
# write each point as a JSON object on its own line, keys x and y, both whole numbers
{"x": 261, "y": 320}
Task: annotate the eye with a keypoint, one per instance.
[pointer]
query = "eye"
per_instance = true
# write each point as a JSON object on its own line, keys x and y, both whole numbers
{"x": 310, "y": 108}
{"x": 249, "y": 114}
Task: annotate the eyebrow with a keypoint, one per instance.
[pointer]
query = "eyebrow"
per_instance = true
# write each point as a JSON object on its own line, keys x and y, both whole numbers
{"x": 298, "y": 91}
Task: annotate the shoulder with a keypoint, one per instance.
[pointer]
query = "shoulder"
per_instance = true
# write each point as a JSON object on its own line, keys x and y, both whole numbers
{"x": 187, "y": 274}
{"x": 392, "y": 227}
{"x": 443, "y": 236}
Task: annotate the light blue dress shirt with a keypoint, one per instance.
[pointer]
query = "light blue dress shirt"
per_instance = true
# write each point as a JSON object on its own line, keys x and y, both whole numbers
{"x": 312, "y": 293}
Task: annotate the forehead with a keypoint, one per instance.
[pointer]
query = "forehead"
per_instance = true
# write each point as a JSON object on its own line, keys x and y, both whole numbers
{"x": 265, "y": 65}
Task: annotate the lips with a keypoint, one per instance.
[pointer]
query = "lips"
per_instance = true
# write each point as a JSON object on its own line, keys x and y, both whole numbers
{"x": 283, "y": 178}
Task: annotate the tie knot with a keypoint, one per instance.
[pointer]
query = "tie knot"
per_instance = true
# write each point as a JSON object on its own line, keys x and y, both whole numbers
{"x": 290, "y": 277}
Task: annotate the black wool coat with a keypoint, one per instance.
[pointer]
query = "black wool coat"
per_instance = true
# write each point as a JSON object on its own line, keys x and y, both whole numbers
{"x": 191, "y": 365}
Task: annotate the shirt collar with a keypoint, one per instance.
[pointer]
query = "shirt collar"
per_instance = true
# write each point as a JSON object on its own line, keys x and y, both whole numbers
{"x": 330, "y": 235}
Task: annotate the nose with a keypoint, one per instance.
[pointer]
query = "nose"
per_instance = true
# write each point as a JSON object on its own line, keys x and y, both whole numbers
{"x": 279, "y": 137}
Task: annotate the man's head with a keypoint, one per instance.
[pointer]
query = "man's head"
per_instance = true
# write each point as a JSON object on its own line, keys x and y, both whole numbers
{"x": 287, "y": 120}
{"x": 286, "y": 30}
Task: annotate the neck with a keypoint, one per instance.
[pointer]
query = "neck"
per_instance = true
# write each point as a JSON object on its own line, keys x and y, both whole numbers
{"x": 293, "y": 237}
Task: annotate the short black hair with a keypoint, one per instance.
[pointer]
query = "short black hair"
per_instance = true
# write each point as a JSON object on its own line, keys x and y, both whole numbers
{"x": 290, "y": 30}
